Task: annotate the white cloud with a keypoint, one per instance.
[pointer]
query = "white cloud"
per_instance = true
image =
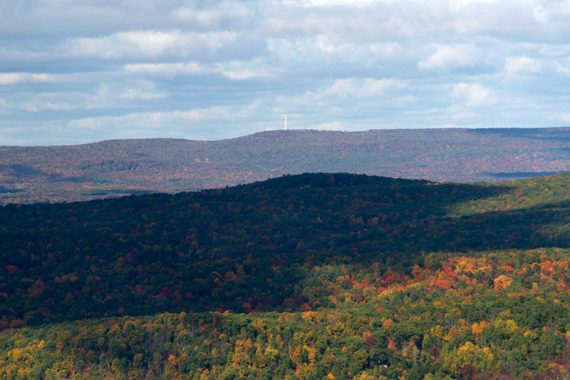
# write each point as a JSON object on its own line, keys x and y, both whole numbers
{"x": 233, "y": 70}
{"x": 243, "y": 70}
{"x": 39, "y": 106}
{"x": 562, "y": 67}
{"x": 149, "y": 44}
{"x": 320, "y": 3}
{"x": 523, "y": 65}
{"x": 121, "y": 94}
{"x": 449, "y": 57}
{"x": 165, "y": 69}
{"x": 16, "y": 78}
{"x": 145, "y": 43}
{"x": 387, "y": 49}
{"x": 243, "y": 74}
{"x": 146, "y": 91}
{"x": 459, "y": 5}
{"x": 316, "y": 48}
{"x": 471, "y": 94}
{"x": 215, "y": 15}
{"x": 361, "y": 88}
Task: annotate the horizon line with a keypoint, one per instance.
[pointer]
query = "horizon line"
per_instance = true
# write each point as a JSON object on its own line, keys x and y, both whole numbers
{"x": 290, "y": 131}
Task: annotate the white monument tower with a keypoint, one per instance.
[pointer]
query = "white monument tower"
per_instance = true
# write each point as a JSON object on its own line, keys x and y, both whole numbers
{"x": 285, "y": 121}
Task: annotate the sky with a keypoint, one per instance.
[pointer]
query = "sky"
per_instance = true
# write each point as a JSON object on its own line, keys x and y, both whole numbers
{"x": 78, "y": 71}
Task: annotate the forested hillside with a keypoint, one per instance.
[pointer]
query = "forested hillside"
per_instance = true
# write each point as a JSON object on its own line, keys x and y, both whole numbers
{"x": 113, "y": 168}
{"x": 307, "y": 276}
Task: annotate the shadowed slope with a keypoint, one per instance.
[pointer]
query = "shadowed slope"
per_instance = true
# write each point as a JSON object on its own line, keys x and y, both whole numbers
{"x": 243, "y": 248}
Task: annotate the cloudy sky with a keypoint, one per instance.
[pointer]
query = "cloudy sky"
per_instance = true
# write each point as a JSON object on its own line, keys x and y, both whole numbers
{"x": 75, "y": 71}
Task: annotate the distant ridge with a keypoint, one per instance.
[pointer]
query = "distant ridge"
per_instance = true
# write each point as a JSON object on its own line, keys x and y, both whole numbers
{"x": 121, "y": 167}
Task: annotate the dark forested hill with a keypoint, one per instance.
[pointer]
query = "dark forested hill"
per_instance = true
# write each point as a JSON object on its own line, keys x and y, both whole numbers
{"x": 305, "y": 276}
{"x": 64, "y": 173}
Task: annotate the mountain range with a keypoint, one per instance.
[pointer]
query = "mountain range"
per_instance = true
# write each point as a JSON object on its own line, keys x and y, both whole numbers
{"x": 121, "y": 167}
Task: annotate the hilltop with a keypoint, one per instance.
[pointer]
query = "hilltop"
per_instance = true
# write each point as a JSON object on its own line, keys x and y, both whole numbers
{"x": 122, "y": 167}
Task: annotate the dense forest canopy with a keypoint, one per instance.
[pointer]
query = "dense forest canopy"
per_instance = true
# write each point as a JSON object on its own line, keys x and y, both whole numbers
{"x": 305, "y": 276}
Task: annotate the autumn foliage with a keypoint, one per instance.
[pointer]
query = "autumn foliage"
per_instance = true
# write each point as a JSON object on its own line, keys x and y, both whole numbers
{"x": 291, "y": 278}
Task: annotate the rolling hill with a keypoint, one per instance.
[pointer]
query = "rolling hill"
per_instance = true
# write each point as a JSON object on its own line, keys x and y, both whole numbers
{"x": 304, "y": 276}
{"x": 112, "y": 168}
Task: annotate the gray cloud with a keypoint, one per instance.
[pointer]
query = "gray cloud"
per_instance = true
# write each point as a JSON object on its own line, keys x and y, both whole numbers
{"x": 76, "y": 71}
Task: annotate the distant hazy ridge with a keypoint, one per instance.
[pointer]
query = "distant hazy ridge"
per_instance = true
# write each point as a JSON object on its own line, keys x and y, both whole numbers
{"x": 65, "y": 173}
